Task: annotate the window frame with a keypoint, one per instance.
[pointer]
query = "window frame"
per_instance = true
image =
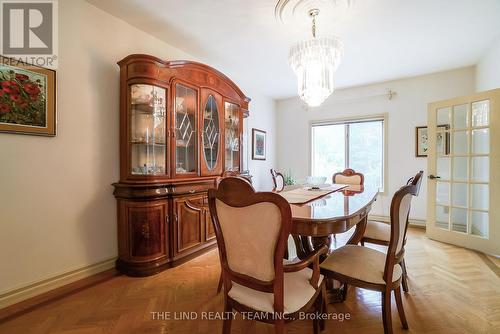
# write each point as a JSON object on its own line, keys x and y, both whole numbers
{"x": 349, "y": 120}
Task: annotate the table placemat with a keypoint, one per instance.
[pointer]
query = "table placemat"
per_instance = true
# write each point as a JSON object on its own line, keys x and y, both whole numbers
{"x": 306, "y": 194}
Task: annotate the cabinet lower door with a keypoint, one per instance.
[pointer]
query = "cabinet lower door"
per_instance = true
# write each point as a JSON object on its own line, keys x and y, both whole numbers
{"x": 188, "y": 222}
{"x": 209, "y": 226}
{"x": 147, "y": 230}
{"x": 143, "y": 242}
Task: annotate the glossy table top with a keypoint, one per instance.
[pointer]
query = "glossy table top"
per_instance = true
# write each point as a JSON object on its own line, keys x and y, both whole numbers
{"x": 336, "y": 212}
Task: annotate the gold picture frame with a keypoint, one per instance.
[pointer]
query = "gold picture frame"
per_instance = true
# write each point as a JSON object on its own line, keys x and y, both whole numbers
{"x": 27, "y": 98}
{"x": 258, "y": 144}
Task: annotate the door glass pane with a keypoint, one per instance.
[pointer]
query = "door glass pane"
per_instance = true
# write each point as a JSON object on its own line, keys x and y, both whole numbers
{"x": 480, "y": 169}
{"x": 460, "y": 116}
{"x": 459, "y": 194}
{"x": 460, "y": 142}
{"x": 460, "y": 168}
{"x": 328, "y": 149}
{"x": 147, "y": 129}
{"x": 366, "y": 151}
{"x": 443, "y": 168}
{"x": 442, "y": 216}
{"x": 232, "y": 136}
{"x": 443, "y": 193}
{"x": 443, "y": 116}
{"x": 481, "y": 141}
{"x": 480, "y": 196}
{"x": 479, "y": 223}
{"x": 186, "y": 155}
{"x": 211, "y": 133}
{"x": 481, "y": 113}
{"x": 443, "y": 143}
{"x": 459, "y": 220}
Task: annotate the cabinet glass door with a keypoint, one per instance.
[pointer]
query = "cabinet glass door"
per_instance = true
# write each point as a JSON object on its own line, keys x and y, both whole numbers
{"x": 211, "y": 133}
{"x": 232, "y": 136}
{"x": 147, "y": 130}
{"x": 185, "y": 123}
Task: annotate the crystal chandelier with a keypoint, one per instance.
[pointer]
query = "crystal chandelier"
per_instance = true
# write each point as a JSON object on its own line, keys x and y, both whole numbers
{"x": 314, "y": 62}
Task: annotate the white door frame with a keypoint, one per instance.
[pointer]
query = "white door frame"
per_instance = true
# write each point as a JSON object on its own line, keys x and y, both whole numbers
{"x": 491, "y": 243}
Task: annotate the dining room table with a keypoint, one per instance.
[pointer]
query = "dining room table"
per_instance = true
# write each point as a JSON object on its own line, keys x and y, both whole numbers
{"x": 319, "y": 215}
{"x": 346, "y": 207}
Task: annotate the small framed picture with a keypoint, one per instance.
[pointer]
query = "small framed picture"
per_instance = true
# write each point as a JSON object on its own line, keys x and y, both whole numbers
{"x": 27, "y": 98}
{"x": 258, "y": 144}
{"x": 422, "y": 140}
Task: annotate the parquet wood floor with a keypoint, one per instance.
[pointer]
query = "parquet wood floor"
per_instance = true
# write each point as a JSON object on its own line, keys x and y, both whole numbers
{"x": 452, "y": 290}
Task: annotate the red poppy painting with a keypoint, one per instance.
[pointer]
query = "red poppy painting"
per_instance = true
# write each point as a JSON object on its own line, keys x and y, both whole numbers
{"x": 27, "y": 98}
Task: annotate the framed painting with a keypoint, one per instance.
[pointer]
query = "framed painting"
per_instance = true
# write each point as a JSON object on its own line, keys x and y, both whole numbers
{"x": 27, "y": 98}
{"x": 258, "y": 144}
{"x": 422, "y": 140}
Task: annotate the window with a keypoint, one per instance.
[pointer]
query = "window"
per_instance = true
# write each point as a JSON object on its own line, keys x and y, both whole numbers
{"x": 357, "y": 144}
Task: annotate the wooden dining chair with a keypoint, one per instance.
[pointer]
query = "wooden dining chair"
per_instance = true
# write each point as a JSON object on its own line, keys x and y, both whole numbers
{"x": 252, "y": 229}
{"x": 380, "y": 233}
{"x": 348, "y": 176}
{"x": 278, "y": 180}
{"x": 226, "y": 174}
{"x": 370, "y": 269}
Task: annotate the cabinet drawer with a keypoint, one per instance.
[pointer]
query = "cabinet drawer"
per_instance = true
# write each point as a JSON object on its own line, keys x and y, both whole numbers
{"x": 183, "y": 189}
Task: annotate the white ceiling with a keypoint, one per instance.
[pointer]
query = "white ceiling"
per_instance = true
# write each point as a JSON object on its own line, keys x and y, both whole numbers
{"x": 384, "y": 39}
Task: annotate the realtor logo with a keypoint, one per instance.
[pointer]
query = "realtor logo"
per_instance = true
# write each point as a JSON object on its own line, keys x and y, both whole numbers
{"x": 29, "y": 31}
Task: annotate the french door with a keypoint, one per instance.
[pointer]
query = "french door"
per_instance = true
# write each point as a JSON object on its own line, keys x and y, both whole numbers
{"x": 464, "y": 171}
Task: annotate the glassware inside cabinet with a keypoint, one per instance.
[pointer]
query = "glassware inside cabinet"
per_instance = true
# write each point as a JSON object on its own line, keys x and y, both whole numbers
{"x": 147, "y": 129}
{"x": 186, "y": 108}
{"x": 232, "y": 136}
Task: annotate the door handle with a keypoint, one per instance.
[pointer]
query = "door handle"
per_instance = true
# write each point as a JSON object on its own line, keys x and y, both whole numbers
{"x": 432, "y": 177}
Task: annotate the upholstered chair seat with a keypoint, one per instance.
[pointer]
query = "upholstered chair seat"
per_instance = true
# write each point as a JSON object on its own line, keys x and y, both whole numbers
{"x": 297, "y": 293}
{"x": 378, "y": 230}
{"x": 367, "y": 268}
{"x": 252, "y": 230}
{"x": 361, "y": 263}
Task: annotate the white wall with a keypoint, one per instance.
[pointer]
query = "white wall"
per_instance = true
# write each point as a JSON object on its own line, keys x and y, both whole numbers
{"x": 488, "y": 68}
{"x": 262, "y": 117}
{"x": 405, "y": 111}
{"x": 57, "y": 210}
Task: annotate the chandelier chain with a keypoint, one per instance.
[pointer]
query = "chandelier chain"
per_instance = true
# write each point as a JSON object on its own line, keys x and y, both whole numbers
{"x": 314, "y": 13}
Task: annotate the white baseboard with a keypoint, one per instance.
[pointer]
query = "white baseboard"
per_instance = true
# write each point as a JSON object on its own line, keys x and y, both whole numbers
{"x": 37, "y": 288}
{"x": 413, "y": 222}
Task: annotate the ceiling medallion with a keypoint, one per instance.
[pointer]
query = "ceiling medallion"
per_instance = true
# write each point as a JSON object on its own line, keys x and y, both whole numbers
{"x": 314, "y": 62}
{"x": 287, "y": 11}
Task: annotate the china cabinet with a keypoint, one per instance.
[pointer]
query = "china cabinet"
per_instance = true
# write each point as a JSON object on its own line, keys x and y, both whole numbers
{"x": 180, "y": 130}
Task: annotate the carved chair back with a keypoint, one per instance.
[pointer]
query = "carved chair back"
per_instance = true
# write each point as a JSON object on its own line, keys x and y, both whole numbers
{"x": 348, "y": 176}
{"x": 248, "y": 256}
{"x": 278, "y": 180}
{"x": 400, "y": 209}
{"x": 228, "y": 173}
